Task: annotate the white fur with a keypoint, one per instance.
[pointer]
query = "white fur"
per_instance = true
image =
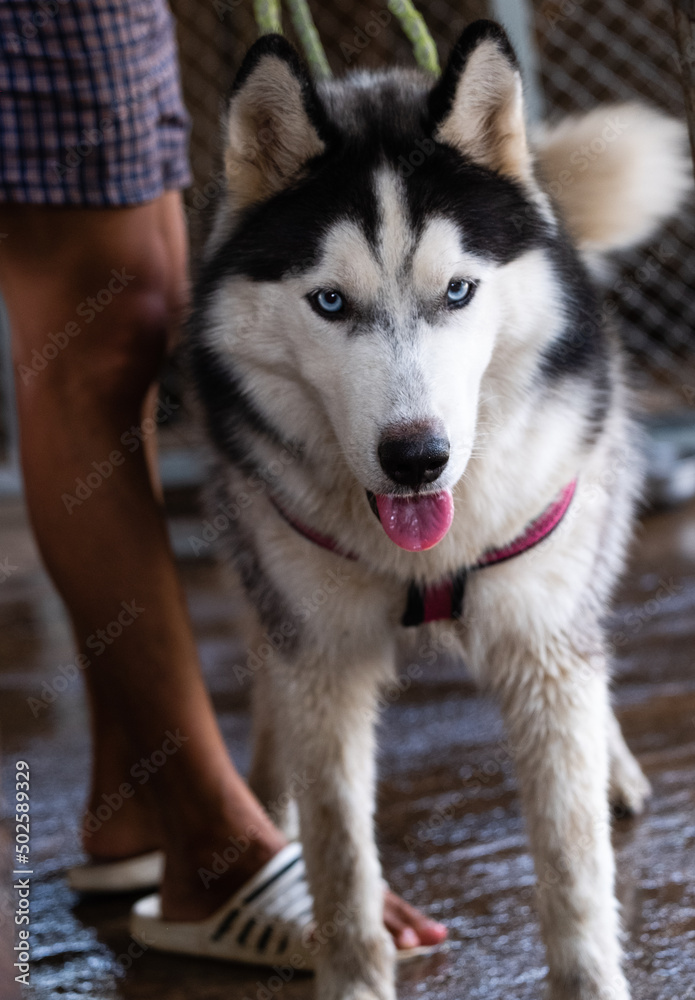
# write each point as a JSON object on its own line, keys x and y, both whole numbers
{"x": 531, "y": 631}
{"x": 616, "y": 174}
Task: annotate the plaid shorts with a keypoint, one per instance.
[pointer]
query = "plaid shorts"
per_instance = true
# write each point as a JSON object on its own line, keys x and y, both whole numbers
{"x": 90, "y": 102}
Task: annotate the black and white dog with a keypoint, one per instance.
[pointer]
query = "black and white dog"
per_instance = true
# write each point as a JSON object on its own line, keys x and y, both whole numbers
{"x": 402, "y": 365}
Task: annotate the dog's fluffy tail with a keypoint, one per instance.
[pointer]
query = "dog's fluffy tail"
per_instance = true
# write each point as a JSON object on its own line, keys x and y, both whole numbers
{"x": 616, "y": 174}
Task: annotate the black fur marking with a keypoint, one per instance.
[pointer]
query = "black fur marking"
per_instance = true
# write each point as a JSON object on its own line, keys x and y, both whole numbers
{"x": 279, "y": 48}
{"x": 602, "y": 397}
{"x": 574, "y": 351}
{"x": 229, "y": 412}
{"x": 239, "y": 548}
{"x": 494, "y": 215}
{"x": 284, "y": 235}
{"x": 373, "y": 504}
{"x": 391, "y": 123}
{"x": 442, "y": 97}
{"x": 269, "y": 604}
{"x": 582, "y": 350}
{"x": 581, "y": 346}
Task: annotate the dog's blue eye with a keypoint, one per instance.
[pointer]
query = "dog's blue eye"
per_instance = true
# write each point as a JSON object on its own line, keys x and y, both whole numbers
{"x": 329, "y": 301}
{"x": 459, "y": 292}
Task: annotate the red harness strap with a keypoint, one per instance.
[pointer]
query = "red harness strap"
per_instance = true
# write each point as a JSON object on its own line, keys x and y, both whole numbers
{"x": 444, "y": 600}
{"x": 535, "y": 532}
{"x": 313, "y": 536}
{"x": 440, "y": 601}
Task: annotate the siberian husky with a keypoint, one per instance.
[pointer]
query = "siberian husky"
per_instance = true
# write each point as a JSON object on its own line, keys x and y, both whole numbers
{"x": 422, "y": 421}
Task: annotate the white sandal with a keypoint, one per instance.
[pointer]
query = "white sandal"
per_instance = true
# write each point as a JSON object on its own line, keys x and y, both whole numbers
{"x": 267, "y": 922}
{"x": 128, "y": 875}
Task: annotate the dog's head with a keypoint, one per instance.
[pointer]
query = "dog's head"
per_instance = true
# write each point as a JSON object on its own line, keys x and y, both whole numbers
{"x": 382, "y": 240}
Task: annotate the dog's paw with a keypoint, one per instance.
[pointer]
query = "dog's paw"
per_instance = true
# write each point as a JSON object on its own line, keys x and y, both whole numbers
{"x": 357, "y": 970}
{"x": 629, "y": 789}
{"x": 365, "y": 993}
{"x": 586, "y": 987}
{"x": 355, "y": 991}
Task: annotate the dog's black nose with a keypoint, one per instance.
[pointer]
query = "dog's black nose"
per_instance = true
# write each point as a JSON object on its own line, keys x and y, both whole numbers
{"x": 413, "y": 455}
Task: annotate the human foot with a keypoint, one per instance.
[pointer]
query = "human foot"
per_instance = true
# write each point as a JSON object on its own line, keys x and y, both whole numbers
{"x": 227, "y": 869}
{"x": 408, "y": 926}
{"x": 205, "y": 867}
{"x": 215, "y": 879}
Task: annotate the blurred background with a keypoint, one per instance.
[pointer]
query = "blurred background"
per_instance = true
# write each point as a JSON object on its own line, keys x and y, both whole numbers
{"x": 449, "y": 821}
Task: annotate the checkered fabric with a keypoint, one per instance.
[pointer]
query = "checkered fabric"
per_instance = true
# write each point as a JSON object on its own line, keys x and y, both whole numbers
{"x": 90, "y": 103}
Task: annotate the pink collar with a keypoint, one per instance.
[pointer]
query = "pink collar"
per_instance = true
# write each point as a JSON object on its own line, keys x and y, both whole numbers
{"x": 444, "y": 600}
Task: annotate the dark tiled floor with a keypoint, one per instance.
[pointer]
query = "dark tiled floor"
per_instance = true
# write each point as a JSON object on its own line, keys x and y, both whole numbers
{"x": 466, "y": 863}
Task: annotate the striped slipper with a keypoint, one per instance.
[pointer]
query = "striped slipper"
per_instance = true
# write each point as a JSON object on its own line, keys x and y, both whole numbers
{"x": 128, "y": 875}
{"x": 267, "y": 922}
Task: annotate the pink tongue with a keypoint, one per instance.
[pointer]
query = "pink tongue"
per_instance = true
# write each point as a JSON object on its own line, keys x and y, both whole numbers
{"x": 416, "y": 523}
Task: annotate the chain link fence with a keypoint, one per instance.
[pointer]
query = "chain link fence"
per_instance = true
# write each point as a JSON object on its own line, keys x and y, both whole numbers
{"x": 590, "y": 52}
{"x": 596, "y": 52}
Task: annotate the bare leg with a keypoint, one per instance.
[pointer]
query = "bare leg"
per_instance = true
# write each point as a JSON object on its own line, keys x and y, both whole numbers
{"x": 112, "y": 547}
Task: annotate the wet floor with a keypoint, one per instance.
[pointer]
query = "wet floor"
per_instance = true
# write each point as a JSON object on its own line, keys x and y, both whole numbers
{"x": 450, "y": 828}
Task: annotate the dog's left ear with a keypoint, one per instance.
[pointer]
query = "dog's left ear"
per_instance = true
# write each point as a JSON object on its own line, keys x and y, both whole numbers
{"x": 478, "y": 105}
{"x": 274, "y": 122}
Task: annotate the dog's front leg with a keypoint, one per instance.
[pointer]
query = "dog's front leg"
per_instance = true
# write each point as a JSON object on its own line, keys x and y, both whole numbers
{"x": 557, "y": 714}
{"x": 269, "y": 778}
{"x": 328, "y": 732}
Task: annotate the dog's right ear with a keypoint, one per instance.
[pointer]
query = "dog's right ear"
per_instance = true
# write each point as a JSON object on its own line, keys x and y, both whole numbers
{"x": 477, "y": 107}
{"x": 274, "y": 123}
